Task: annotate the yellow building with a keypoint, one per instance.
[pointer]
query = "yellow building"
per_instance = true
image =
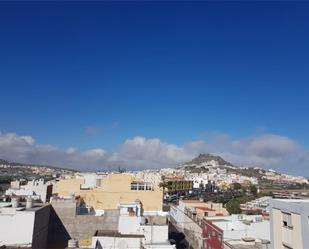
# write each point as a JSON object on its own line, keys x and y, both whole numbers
{"x": 114, "y": 189}
{"x": 176, "y": 185}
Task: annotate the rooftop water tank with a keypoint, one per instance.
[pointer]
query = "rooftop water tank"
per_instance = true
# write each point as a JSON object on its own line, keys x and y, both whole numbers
{"x": 15, "y": 202}
{"x": 29, "y": 203}
{"x": 72, "y": 243}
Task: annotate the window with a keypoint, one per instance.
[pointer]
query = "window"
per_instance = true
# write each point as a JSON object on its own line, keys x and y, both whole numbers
{"x": 287, "y": 220}
{"x": 213, "y": 233}
{"x": 148, "y": 187}
{"x": 133, "y": 186}
{"x": 141, "y": 186}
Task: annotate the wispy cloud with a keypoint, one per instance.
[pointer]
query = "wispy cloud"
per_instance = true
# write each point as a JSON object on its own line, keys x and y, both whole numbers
{"x": 266, "y": 150}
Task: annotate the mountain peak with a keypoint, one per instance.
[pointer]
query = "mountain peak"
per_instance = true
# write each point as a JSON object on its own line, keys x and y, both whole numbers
{"x": 204, "y": 158}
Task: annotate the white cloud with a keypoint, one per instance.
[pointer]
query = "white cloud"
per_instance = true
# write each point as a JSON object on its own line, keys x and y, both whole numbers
{"x": 266, "y": 150}
{"x": 140, "y": 152}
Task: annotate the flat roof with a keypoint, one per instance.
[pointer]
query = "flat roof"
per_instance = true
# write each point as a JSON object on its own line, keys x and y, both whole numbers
{"x": 22, "y": 208}
{"x": 293, "y": 200}
{"x": 219, "y": 220}
{"x": 205, "y": 209}
{"x": 116, "y": 234}
{"x": 191, "y": 201}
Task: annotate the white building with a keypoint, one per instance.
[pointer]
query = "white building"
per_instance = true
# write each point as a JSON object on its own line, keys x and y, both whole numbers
{"x": 261, "y": 204}
{"x": 23, "y": 225}
{"x": 36, "y": 189}
{"x": 92, "y": 180}
{"x": 236, "y": 227}
{"x": 135, "y": 231}
{"x": 289, "y": 221}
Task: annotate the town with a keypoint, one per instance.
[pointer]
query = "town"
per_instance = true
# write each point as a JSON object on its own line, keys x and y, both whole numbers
{"x": 154, "y": 124}
{"x": 205, "y": 203}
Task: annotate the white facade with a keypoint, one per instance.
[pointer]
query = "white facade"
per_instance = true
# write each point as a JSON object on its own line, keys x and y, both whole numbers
{"x": 19, "y": 227}
{"x": 92, "y": 180}
{"x": 36, "y": 189}
{"x": 238, "y": 226}
{"x": 16, "y": 227}
{"x": 289, "y": 221}
{"x": 134, "y": 231}
{"x": 111, "y": 242}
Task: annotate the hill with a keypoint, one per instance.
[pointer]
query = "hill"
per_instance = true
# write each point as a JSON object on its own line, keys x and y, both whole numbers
{"x": 205, "y": 162}
{"x": 209, "y": 160}
{"x": 26, "y": 165}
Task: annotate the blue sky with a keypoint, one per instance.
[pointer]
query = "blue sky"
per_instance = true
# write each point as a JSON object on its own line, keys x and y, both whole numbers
{"x": 95, "y": 75}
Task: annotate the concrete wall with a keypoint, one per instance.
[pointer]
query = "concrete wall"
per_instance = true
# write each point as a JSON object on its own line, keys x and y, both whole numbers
{"x": 184, "y": 224}
{"x": 58, "y": 235}
{"x": 82, "y": 227}
{"x": 40, "y": 231}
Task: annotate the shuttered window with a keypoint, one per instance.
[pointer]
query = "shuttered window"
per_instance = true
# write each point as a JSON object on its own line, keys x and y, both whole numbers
{"x": 287, "y": 220}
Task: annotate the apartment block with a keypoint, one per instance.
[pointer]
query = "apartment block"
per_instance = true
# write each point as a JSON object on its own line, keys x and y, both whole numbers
{"x": 112, "y": 190}
{"x": 289, "y": 221}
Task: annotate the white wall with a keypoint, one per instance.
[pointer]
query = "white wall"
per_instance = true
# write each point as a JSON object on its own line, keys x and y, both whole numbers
{"x": 117, "y": 243}
{"x": 177, "y": 213}
{"x": 160, "y": 247}
{"x": 155, "y": 234}
{"x": 16, "y": 228}
{"x": 129, "y": 224}
{"x": 91, "y": 180}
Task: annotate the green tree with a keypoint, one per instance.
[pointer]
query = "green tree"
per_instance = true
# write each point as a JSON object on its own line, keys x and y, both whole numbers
{"x": 233, "y": 207}
{"x": 253, "y": 190}
{"x": 236, "y": 186}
